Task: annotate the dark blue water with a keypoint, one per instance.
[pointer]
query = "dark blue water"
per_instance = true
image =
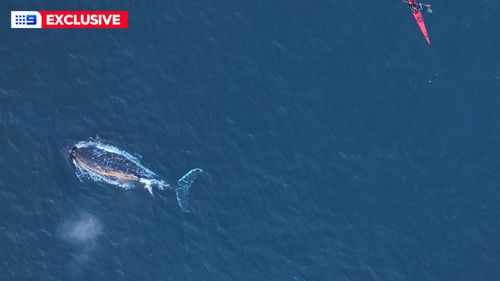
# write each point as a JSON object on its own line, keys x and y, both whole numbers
{"x": 336, "y": 144}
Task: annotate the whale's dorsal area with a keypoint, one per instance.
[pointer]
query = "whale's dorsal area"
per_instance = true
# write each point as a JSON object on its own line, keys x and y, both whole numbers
{"x": 108, "y": 162}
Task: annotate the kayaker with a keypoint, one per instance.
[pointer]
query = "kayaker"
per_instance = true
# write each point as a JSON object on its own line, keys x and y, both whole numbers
{"x": 420, "y": 7}
{"x": 414, "y": 6}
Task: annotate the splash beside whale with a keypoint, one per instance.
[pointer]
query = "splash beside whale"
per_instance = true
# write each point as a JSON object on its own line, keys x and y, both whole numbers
{"x": 102, "y": 162}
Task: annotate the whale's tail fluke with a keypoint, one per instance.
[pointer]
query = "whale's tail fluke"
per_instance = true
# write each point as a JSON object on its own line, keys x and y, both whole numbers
{"x": 182, "y": 188}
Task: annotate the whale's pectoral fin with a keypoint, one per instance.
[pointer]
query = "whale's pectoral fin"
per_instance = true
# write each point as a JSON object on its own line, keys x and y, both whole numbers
{"x": 147, "y": 185}
{"x": 150, "y": 189}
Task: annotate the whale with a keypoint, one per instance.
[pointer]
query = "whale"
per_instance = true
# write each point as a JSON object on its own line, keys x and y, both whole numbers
{"x": 105, "y": 163}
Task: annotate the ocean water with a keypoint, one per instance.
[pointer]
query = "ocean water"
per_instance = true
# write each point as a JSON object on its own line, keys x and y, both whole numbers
{"x": 335, "y": 144}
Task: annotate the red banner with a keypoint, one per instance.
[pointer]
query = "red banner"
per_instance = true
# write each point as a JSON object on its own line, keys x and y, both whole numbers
{"x": 84, "y": 19}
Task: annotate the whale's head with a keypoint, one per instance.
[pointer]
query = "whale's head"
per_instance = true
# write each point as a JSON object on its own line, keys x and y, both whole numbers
{"x": 72, "y": 152}
{"x": 84, "y": 153}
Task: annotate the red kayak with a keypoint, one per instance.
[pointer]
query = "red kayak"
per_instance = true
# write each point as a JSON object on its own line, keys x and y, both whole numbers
{"x": 420, "y": 20}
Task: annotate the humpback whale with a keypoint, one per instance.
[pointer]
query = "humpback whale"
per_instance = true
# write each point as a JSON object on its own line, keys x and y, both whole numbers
{"x": 103, "y": 162}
